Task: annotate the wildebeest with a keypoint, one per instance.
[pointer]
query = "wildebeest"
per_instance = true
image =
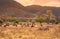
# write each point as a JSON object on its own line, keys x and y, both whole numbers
{"x": 6, "y": 25}
{"x": 27, "y": 24}
{"x": 15, "y": 24}
{"x": 45, "y": 28}
{"x": 33, "y": 24}
{"x": 1, "y": 23}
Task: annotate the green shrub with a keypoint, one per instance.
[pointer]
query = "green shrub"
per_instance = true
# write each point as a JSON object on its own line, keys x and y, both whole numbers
{"x": 41, "y": 19}
{"x": 15, "y": 20}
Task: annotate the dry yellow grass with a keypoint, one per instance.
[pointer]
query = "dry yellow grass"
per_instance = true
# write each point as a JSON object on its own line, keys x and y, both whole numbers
{"x": 28, "y": 33}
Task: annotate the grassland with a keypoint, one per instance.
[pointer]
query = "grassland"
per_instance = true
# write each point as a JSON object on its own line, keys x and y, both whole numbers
{"x": 13, "y": 32}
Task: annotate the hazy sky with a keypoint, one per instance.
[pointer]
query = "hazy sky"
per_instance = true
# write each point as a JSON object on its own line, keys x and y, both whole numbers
{"x": 40, "y": 2}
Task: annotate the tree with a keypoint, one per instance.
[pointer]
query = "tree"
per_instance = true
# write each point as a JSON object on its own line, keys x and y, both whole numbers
{"x": 50, "y": 17}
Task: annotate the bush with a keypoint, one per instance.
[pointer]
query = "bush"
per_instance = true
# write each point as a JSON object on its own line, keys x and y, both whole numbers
{"x": 15, "y": 20}
{"x": 41, "y": 19}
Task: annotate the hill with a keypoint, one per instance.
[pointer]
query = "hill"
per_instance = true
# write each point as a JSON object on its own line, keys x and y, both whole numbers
{"x": 12, "y": 8}
{"x": 42, "y": 9}
{"x": 15, "y": 9}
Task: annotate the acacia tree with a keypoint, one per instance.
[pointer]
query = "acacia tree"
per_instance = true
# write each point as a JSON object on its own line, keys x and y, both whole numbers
{"x": 50, "y": 17}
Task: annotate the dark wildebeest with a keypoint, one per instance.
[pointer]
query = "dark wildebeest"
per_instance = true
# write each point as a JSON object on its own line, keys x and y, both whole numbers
{"x": 15, "y": 24}
{"x": 1, "y": 23}
{"x": 6, "y": 25}
{"x": 33, "y": 23}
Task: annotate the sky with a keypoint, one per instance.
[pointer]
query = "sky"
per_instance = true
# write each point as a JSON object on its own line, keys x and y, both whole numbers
{"x": 55, "y": 3}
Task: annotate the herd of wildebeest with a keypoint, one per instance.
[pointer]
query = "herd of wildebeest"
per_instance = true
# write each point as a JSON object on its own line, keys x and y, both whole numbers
{"x": 33, "y": 24}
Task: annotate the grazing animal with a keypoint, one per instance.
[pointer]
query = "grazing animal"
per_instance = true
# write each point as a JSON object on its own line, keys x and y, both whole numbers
{"x": 1, "y": 23}
{"x": 6, "y": 25}
{"x": 45, "y": 28}
{"x": 41, "y": 24}
{"x": 15, "y": 24}
{"x": 32, "y": 25}
{"x": 27, "y": 24}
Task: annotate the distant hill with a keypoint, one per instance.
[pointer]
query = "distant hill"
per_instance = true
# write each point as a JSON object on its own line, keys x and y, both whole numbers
{"x": 13, "y": 8}
{"x": 42, "y": 9}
